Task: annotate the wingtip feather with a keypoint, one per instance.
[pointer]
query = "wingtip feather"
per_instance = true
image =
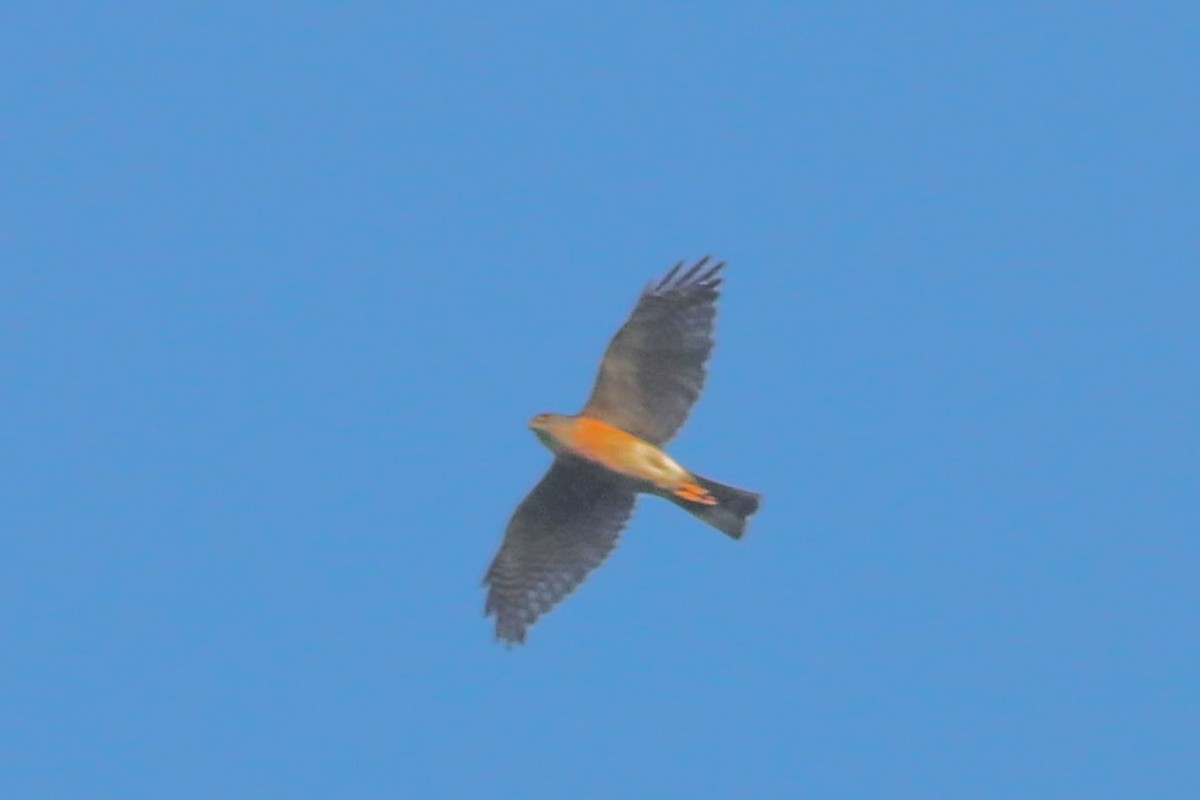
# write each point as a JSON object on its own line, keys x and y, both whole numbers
{"x": 696, "y": 276}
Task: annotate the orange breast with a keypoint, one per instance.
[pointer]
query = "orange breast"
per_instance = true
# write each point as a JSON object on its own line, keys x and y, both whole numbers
{"x": 599, "y": 441}
{"x": 625, "y": 453}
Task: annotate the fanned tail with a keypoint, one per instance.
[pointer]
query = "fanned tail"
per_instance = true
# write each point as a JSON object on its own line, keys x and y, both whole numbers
{"x": 726, "y": 508}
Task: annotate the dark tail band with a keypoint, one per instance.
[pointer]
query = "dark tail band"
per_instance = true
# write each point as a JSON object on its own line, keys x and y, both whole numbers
{"x": 728, "y": 514}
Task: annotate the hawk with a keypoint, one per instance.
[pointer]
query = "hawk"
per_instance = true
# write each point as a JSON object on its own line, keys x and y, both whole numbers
{"x": 610, "y": 452}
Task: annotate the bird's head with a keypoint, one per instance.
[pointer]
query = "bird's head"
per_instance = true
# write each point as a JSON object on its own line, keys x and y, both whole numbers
{"x": 547, "y": 426}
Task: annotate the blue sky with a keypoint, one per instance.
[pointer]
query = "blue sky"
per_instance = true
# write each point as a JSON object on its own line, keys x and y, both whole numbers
{"x": 283, "y": 286}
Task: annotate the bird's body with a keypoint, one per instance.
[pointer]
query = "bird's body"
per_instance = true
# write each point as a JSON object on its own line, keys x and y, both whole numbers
{"x": 612, "y": 451}
{"x": 611, "y": 448}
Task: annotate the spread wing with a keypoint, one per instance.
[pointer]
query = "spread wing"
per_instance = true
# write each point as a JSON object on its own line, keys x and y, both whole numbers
{"x": 563, "y": 530}
{"x": 653, "y": 370}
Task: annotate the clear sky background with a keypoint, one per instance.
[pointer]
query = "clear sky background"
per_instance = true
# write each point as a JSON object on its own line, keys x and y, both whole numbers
{"x": 283, "y": 283}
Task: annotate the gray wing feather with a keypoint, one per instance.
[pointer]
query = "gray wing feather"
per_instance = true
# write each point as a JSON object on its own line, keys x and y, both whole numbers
{"x": 562, "y": 531}
{"x": 653, "y": 370}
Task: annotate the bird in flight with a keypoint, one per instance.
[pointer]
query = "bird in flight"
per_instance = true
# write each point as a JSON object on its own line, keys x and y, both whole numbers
{"x": 611, "y": 451}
